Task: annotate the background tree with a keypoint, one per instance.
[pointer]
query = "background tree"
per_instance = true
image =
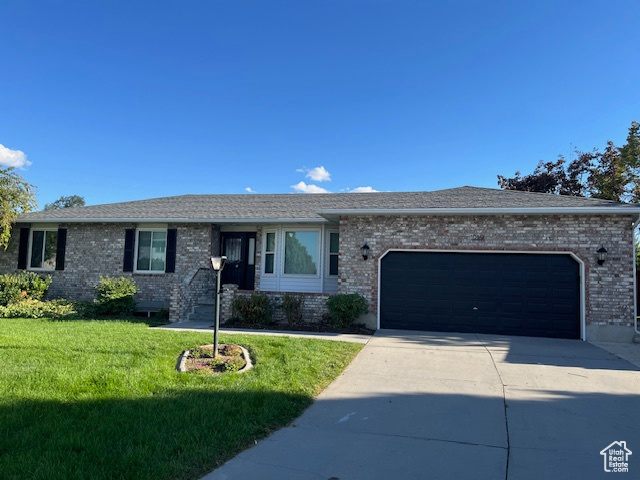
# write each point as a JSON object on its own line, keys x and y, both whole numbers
{"x": 66, "y": 202}
{"x": 613, "y": 174}
{"x": 16, "y": 196}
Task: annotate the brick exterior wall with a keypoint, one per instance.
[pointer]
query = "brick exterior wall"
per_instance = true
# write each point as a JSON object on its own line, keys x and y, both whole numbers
{"x": 97, "y": 249}
{"x": 185, "y": 295}
{"x": 227, "y": 295}
{"x": 609, "y": 288}
{"x": 315, "y": 304}
{"x": 258, "y": 257}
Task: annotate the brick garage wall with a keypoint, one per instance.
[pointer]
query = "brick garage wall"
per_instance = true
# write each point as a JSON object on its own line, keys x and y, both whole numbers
{"x": 609, "y": 288}
{"x": 97, "y": 249}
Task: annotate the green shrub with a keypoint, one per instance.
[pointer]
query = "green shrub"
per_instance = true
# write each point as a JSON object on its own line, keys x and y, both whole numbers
{"x": 85, "y": 309}
{"x": 114, "y": 296}
{"x": 344, "y": 309}
{"x": 231, "y": 350}
{"x": 10, "y": 291}
{"x": 199, "y": 352}
{"x": 293, "y": 306}
{"x": 30, "y": 308}
{"x": 230, "y": 365}
{"x": 24, "y": 285}
{"x": 254, "y": 310}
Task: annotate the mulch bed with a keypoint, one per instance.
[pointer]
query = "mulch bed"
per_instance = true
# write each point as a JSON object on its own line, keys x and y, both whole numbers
{"x": 305, "y": 327}
{"x": 229, "y": 359}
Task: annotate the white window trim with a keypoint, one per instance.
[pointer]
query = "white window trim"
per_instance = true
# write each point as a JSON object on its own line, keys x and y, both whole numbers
{"x": 135, "y": 256}
{"x": 329, "y": 253}
{"x": 274, "y": 252}
{"x": 39, "y": 229}
{"x": 319, "y": 263}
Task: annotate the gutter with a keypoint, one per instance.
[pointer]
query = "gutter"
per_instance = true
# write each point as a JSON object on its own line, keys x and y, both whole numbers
{"x": 332, "y": 214}
{"x": 485, "y": 211}
{"x": 170, "y": 220}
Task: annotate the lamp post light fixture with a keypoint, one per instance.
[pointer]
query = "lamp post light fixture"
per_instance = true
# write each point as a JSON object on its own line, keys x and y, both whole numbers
{"x": 217, "y": 263}
{"x": 365, "y": 251}
{"x": 602, "y": 255}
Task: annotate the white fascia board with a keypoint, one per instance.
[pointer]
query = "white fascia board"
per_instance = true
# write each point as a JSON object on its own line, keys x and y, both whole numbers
{"x": 485, "y": 211}
{"x": 172, "y": 220}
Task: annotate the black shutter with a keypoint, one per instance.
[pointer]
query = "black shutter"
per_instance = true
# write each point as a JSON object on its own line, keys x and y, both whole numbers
{"x": 129, "y": 243}
{"x": 61, "y": 248}
{"x": 23, "y": 248}
{"x": 172, "y": 235}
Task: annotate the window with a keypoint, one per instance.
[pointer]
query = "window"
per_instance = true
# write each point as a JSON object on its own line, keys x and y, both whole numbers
{"x": 334, "y": 242}
{"x": 43, "y": 249}
{"x": 151, "y": 251}
{"x": 301, "y": 252}
{"x": 251, "y": 256}
{"x": 269, "y": 252}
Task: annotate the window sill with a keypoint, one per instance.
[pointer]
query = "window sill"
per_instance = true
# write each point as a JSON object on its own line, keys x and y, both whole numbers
{"x": 299, "y": 275}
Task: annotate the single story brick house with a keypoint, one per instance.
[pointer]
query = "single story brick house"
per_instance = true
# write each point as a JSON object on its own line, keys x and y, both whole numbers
{"x": 463, "y": 260}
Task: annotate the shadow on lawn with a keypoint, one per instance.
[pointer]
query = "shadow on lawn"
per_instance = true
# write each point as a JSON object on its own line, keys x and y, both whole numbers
{"x": 174, "y": 434}
{"x": 184, "y": 435}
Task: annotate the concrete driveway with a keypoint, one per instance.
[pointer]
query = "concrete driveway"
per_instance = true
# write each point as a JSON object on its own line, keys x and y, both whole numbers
{"x": 459, "y": 406}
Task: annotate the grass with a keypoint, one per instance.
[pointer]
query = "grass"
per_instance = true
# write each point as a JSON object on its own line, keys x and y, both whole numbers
{"x": 102, "y": 399}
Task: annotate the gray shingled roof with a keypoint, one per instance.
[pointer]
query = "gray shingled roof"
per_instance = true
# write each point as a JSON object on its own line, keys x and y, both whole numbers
{"x": 262, "y": 207}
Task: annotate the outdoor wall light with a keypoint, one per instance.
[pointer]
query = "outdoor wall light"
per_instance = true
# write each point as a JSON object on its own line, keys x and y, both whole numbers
{"x": 365, "y": 251}
{"x": 602, "y": 255}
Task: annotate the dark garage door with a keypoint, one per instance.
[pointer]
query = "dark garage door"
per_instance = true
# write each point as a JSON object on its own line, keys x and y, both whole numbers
{"x": 502, "y": 293}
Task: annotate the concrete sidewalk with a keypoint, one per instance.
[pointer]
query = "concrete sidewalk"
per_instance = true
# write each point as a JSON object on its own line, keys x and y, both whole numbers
{"x": 627, "y": 351}
{"x": 207, "y": 327}
{"x": 428, "y": 405}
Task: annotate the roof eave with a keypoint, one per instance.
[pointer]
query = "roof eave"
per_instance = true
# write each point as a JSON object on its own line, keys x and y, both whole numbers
{"x": 332, "y": 214}
{"x": 171, "y": 220}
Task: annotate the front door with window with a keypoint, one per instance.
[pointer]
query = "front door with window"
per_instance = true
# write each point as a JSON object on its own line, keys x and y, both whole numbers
{"x": 240, "y": 250}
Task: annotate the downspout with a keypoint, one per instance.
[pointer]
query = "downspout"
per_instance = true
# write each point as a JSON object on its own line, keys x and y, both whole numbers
{"x": 635, "y": 287}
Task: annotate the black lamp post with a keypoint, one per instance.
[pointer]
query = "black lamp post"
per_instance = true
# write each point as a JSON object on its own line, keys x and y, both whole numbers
{"x": 365, "y": 251}
{"x": 602, "y": 255}
{"x": 217, "y": 263}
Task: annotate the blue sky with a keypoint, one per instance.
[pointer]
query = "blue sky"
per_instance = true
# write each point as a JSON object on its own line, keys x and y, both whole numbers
{"x": 123, "y": 100}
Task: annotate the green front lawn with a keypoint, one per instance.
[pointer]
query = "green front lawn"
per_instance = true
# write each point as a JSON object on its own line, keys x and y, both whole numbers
{"x": 102, "y": 399}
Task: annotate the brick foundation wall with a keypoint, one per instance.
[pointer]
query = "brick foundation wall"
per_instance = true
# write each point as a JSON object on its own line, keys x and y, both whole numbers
{"x": 609, "y": 288}
{"x": 314, "y": 308}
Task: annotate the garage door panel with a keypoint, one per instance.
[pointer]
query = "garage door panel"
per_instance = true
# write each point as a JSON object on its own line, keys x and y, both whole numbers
{"x": 517, "y": 294}
{"x": 485, "y": 321}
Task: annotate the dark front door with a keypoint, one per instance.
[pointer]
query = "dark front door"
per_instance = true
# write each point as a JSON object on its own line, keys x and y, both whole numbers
{"x": 240, "y": 250}
{"x": 509, "y": 294}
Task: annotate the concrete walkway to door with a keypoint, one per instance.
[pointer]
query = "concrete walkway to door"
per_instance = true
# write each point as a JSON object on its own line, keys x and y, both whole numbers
{"x": 459, "y": 406}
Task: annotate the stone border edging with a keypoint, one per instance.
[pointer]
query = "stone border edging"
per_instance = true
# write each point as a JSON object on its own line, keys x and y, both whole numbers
{"x": 182, "y": 359}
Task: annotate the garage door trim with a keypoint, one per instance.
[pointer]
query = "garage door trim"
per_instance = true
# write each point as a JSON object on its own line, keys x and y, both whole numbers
{"x": 583, "y": 334}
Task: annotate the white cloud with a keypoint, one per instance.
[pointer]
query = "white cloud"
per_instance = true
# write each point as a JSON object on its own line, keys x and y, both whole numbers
{"x": 13, "y": 158}
{"x": 304, "y": 188}
{"x": 319, "y": 174}
{"x": 250, "y": 190}
{"x": 363, "y": 190}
